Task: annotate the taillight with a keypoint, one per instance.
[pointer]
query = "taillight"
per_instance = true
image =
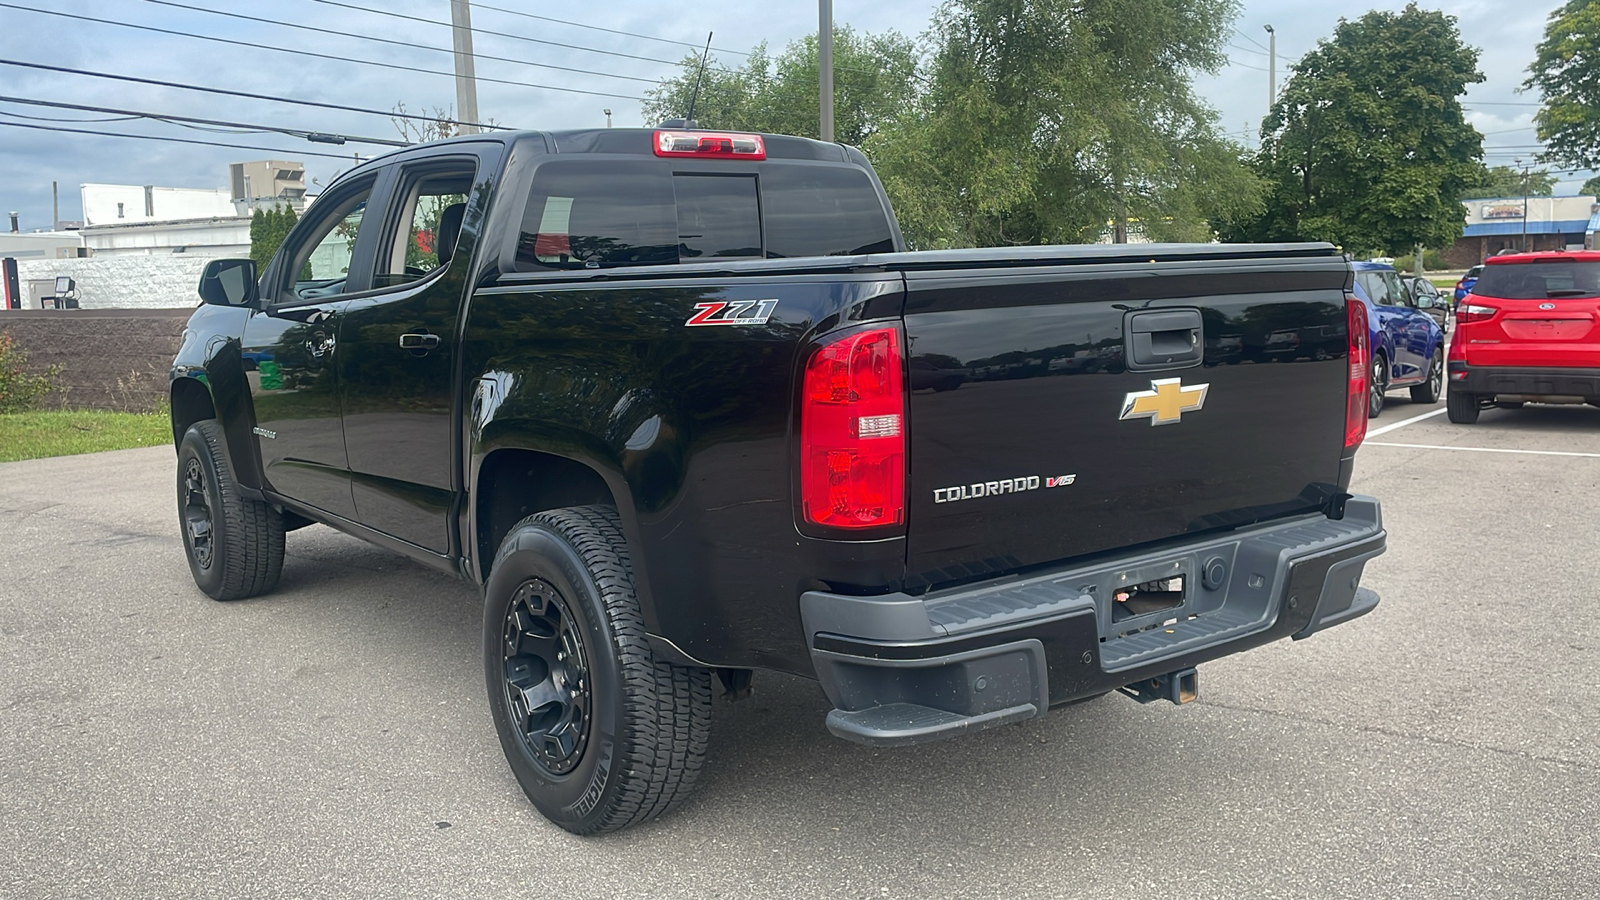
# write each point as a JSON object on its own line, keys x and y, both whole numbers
{"x": 710, "y": 145}
{"x": 1355, "y": 414}
{"x": 1474, "y": 312}
{"x": 852, "y": 432}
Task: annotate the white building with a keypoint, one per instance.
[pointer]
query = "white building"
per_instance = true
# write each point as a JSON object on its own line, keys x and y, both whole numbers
{"x": 135, "y": 220}
{"x": 40, "y": 245}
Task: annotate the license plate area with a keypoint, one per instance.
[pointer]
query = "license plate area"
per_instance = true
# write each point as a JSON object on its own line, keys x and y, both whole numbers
{"x": 1134, "y": 600}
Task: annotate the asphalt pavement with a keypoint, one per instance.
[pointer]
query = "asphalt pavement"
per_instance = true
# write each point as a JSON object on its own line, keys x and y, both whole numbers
{"x": 332, "y": 739}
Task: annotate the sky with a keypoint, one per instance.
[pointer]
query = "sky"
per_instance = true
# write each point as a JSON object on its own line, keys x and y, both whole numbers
{"x": 616, "y": 67}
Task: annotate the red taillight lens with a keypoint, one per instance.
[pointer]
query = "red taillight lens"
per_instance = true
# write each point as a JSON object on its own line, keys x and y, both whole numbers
{"x": 710, "y": 145}
{"x": 1355, "y": 414}
{"x": 1474, "y": 312}
{"x": 852, "y": 432}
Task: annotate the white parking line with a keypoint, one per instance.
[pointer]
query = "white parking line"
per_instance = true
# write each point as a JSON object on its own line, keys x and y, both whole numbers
{"x": 1479, "y": 449}
{"x": 1404, "y": 422}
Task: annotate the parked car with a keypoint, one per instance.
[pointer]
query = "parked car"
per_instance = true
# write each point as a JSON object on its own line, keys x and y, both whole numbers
{"x": 1464, "y": 286}
{"x": 1430, "y": 299}
{"x": 652, "y": 395}
{"x": 1527, "y": 333}
{"x": 1407, "y": 344}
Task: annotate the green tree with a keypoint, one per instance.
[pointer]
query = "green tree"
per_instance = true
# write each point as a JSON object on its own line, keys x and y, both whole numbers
{"x": 1566, "y": 71}
{"x": 1591, "y": 187}
{"x": 1052, "y": 121}
{"x": 1367, "y": 146}
{"x": 268, "y": 229}
{"x": 1507, "y": 181}
{"x": 874, "y": 81}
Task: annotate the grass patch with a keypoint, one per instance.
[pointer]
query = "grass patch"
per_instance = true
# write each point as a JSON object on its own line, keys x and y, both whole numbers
{"x": 63, "y": 432}
{"x": 1443, "y": 282}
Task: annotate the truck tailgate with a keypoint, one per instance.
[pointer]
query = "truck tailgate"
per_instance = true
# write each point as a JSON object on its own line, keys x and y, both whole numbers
{"x": 1037, "y": 435}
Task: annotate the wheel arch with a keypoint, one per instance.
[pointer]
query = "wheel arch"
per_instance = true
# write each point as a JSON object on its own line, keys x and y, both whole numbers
{"x": 189, "y": 402}
{"x": 513, "y": 482}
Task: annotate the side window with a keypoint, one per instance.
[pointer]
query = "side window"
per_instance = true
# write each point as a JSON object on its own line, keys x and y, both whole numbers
{"x": 1377, "y": 289}
{"x": 433, "y": 201}
{"x": 321, "y": 264}
{"x": 588, "y": 214}
{"x": 1398, "y": 295}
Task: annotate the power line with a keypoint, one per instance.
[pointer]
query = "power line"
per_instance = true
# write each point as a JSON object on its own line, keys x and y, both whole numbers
{"x": 393, "y": 42}
{"x": 175, "y": 140}
{"x": 514, "y": 12}
{"x": 179, "y": 120}
{"x": 1234, "y": 62}
{"x": 308, "y": 53}
{"x": 515, "y": 37}
{"x": 230, "y": 93}
{"x": 1250, "y": 39}
{"x": 1248, "y": 50}
{"x": 17, "y": 115}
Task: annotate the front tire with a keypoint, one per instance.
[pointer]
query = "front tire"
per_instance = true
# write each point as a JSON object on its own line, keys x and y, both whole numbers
{"x": 234, "y": 544}
{"x": 1462, "y": 407}
{"x": 1428, "y": 391}
{"x": 599, "y": 733}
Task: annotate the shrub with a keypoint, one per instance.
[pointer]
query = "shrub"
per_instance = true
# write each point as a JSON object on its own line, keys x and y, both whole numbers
{"x": 19, "y": 389}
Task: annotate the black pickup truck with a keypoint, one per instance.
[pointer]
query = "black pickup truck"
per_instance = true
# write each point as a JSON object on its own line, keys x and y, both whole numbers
{"x": 683, "y": 406}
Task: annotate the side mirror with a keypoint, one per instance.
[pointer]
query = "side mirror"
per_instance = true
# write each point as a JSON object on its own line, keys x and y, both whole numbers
{"x": 1425, "y": 301}
{"x": 229, "y": 282}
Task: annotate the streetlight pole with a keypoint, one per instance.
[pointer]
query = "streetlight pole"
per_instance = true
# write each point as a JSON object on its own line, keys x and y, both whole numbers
{"x": 1272, "y": 67}
{"x": 825, "y": 66}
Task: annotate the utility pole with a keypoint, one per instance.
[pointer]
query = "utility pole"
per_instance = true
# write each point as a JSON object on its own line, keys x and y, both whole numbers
{"x": 466, "y": 77}
{"x": 1524, "y": 245}
{"x": 55, "y": 206}
{"x": 1272, "y": 67}
{"x": 825, "y": 65}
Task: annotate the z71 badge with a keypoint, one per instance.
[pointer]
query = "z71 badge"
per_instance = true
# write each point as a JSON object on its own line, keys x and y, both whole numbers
{"x": 733, "y": 312}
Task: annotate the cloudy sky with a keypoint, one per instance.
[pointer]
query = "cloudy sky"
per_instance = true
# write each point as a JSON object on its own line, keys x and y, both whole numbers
{"x": 337, "y": 33}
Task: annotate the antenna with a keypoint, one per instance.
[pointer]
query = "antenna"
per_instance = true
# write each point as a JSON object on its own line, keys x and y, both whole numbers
{"x": 695, "y": 98}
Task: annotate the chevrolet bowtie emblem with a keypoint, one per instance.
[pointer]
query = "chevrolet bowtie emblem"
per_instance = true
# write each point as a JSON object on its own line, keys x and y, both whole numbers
{"x": 1165, "y": 402}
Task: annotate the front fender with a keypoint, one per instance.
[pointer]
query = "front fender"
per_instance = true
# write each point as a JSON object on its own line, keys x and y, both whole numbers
{"x": 210, "y": 356}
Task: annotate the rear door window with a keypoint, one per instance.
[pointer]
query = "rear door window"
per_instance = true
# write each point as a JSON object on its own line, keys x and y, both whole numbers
{"x": 1539, "y": 280}
{"x": 1377, "y": 289}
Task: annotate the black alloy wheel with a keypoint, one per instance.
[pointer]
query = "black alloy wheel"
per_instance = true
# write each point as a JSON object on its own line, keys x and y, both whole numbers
{"x": 1378, "y": 384}
{"x": 547, "y": 683}
{"x": 1430, "y": 390}
{"x": 195, "y": 506}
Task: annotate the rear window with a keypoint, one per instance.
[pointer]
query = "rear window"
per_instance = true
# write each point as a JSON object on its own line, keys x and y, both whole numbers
{"x": 1539, "y": 280}
{"x": 586, "y": 213}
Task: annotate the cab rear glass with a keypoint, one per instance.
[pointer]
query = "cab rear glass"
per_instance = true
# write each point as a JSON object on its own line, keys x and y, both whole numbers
{"x": 587, "y": 213}
{"x": 1540, "y": 280}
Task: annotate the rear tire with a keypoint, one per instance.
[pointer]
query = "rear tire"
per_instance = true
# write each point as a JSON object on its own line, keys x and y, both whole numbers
{"x": 599, "y": 732}
{"x": 234, "y": 544}
{"x": 1428, "y": 391}
{"x": 1462, "y": 407}
{"x": 1378, "y": 384}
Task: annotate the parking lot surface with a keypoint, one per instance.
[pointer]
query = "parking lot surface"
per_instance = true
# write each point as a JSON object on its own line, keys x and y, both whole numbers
{"x": 332, "y": 739}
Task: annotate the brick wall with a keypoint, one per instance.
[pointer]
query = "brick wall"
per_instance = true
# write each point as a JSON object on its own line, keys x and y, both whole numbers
{"x": 123, "y": 282}
{"x": 109, "y": 358}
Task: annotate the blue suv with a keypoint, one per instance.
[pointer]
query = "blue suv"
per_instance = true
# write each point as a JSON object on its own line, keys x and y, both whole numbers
{"x": 1407, "y": 345}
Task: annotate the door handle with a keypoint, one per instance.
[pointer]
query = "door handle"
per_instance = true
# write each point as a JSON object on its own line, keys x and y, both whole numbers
{"x": 419, "y": 343}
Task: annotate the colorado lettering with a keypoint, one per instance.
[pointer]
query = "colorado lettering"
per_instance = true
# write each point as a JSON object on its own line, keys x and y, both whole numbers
{"x": 996, "y": 488}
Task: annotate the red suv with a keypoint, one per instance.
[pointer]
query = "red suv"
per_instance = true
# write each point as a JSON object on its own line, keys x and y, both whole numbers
{"x": 1529, "y": 331}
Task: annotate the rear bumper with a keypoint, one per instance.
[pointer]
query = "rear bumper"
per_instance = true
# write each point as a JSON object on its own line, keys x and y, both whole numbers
{"x": 1527, "y": 381}
{"x": 904, "y": 670}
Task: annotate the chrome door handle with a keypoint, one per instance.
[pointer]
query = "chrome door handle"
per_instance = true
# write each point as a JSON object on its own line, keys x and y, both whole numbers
{"x": 418, "y": 343}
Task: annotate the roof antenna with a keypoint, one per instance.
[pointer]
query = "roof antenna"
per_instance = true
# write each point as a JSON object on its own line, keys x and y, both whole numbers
{"x": 695, "y": 98}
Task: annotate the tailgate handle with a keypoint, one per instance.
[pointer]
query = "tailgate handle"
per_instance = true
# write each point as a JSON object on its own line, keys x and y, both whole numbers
{"x": 1164, "y": 339}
